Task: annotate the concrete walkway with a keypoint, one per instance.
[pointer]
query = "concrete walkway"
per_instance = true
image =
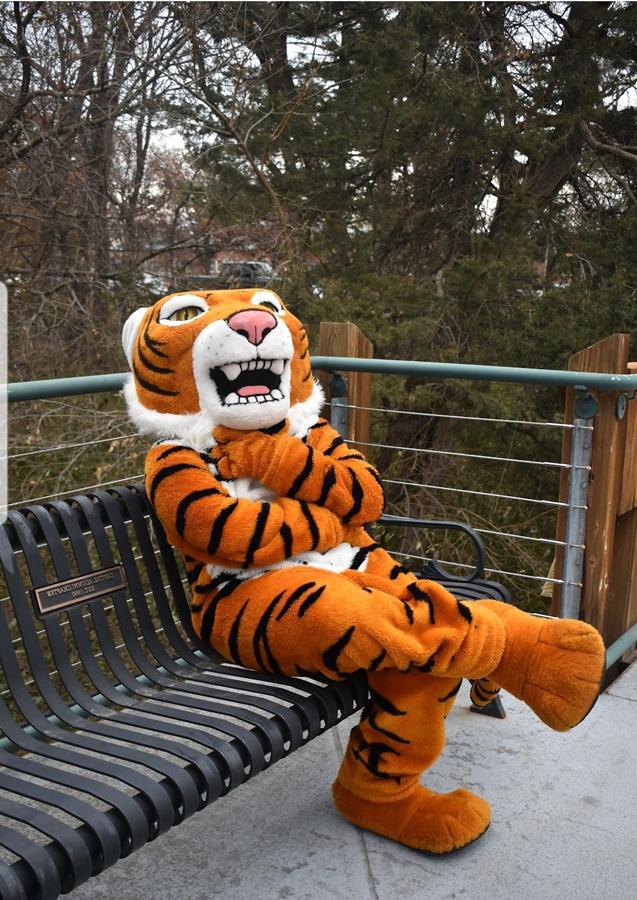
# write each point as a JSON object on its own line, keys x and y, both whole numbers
{"x": 564, "y": 823}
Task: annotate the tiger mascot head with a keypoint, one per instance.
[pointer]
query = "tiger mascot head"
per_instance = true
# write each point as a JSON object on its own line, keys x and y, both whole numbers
{"x": 199, "y": 359}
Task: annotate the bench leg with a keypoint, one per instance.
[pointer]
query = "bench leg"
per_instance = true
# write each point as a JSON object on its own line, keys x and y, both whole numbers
{"x": 485, "y": 699}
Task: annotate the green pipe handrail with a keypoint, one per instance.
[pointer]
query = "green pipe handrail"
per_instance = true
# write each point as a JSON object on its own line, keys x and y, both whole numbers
{"x": 603, "y": 381}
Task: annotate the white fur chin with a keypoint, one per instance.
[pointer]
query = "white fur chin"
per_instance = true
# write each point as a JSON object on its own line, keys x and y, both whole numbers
{"x": 192, "y": 429}
{"x": 303, "y": 415}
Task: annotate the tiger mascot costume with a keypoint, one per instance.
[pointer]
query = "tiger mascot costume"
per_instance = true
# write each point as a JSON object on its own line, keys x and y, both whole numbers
{"x": 268, "y": 505}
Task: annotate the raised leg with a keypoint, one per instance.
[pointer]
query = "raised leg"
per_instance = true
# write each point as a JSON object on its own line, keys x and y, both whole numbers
{"x": 401, "y": 734}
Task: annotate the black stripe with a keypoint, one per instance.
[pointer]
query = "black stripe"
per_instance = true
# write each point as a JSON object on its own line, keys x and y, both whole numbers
{"x": 305, "y": 353}
{"x": 311, "y": 523}
{"x": 274, "y": 429}
{"x": 331, "y": 655}
{"x": 429, "y": 665}
{"x": 328, "y": 483}
{"x": 257, "y": 534}
{"x": 186, "y": 502}
{"x": 296, "y": 593}
{"x": 464, "y": 611}
{"x": 362, "y": 555}
{"x": 286, "y": 534}
{"x": 261, "y": 636}
{"x": 233, "y": 639}
{"x": 309, "y": 600}
{"x": 150, "y": 365}
{"x": 386, "y": 705}
{"x": 375, "y": 663}
{"x": 217, "y": 529}
{"x": 166, "y": 473}
{"x": 308, "y": 376}
{"x": 216, "y": 582}
{"x": 174, "y": 449}
{"x": 375, "y": 476}
{"x": 320, "y": 424}
{"x": 335, "y": 443}
{"x": 208, "y": 620}
{"x": 408, "y": 612}
{"x": 422, "y": 597}
{"x": 357, "y": 494}
{"x": 482, "y": 693}
{"x": 152, "y": 387}
{"x": 396, "y": 571}
{"x": 371, "y": 721}
{"x": 207, "y": 458}
{"x": 152, "y": 343}
{"x": 196, "y": 607}
{"x": 303, "y": 474}
{"x": 354, "y": 455}
{"x": 452, "y": 693}
{"x": 194, "y": 573}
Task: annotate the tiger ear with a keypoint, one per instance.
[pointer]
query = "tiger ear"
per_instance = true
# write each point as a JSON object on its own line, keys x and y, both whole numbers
{"x": 129, "y": 332}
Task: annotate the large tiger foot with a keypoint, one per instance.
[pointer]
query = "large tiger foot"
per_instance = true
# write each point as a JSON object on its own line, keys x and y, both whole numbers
{"x": 436, "y": 823}
{"x": 555, "y": 666}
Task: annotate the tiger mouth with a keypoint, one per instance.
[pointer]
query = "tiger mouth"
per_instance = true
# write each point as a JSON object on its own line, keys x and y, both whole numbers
{"x": 252, "y": 381}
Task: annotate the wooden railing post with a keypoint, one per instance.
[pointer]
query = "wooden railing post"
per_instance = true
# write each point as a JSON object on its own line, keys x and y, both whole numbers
{"x": 346, "y": 339}
{"x": 600, "y": 599}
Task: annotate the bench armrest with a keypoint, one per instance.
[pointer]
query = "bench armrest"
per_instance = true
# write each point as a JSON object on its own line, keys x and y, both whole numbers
{"x": 438, "y": 571}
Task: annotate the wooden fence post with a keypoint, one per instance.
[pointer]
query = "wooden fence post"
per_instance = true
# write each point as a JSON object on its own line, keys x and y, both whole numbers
{"x": 599, "y": 594}
{"x": 346, "y": 339}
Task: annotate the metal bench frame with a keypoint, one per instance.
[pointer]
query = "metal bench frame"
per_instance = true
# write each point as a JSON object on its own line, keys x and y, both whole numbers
{"x": 114, "y": 712}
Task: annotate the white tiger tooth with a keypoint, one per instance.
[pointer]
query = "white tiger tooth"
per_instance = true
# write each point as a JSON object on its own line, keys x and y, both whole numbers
{"x": 277, "y": 366}
{"x": 231, "y": 371}
{"x": 260, "y": 398}
{"x": 244, "y": 366}
{"x": 232, "y": 398}
{"x": 276, "y": 393}
{"x": 252, "y": 399}
{"x": 243, "y": 399}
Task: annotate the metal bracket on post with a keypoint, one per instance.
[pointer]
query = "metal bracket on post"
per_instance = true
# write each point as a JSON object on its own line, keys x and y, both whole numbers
{"x": 579, "y": 477}
{"x": 337, "y": 388}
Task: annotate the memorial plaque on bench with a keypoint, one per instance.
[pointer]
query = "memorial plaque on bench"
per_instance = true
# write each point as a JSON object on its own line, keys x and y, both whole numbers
{"x": 72, "y": 591}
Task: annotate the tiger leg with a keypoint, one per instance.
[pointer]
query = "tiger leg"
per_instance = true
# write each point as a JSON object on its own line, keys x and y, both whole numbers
{"x": 304, "y": 619}
{"x": 555, "y": 666}
{"x": 401, "y": 734}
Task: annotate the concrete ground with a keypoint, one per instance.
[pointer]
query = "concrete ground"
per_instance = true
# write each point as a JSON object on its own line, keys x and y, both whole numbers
{"x": 564, "y": 823}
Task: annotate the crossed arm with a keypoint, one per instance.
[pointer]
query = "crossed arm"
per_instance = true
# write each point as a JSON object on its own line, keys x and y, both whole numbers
{"x": 322, "y": 469}
{"x": 313, "y": 509}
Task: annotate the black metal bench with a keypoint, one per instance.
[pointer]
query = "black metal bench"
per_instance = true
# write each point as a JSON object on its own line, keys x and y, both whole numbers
{"x": 116, "y": 721}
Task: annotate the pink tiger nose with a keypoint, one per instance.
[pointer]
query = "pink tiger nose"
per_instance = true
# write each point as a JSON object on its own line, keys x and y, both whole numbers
{"x": 253, "y": 324}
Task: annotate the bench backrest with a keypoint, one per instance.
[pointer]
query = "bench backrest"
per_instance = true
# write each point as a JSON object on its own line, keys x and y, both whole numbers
{"x": 91, "y": 586}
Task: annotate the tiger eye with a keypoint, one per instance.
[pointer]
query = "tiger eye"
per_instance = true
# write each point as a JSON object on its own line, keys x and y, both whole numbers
{"x": 185, "y": 314}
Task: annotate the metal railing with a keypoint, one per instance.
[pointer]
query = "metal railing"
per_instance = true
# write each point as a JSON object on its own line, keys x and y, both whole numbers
{"x": 578, "y": 467}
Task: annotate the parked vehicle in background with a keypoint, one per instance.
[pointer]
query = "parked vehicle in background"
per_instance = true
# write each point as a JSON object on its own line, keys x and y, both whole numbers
{"x": 248, "y": 273}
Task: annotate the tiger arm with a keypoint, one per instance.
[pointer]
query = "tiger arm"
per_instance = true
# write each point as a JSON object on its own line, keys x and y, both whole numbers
{"x": 321, "y": 470}
{"x": 202, "y": 520}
